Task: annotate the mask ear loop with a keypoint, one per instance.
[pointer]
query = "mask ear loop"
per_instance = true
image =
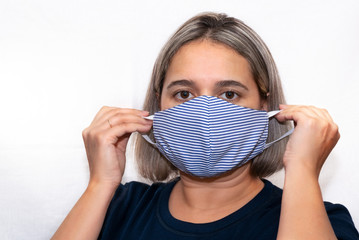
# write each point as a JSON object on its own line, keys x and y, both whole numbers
{"x": 270, "y": 115}
{"x": 145, "y": 136}
{"x": 149, "y": 117}
{"x": 273, "y": 113}
{"x": 267, "y": 145}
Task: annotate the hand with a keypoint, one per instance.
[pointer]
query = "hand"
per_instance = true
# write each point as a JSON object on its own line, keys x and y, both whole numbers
{"x": 106, "y": 139}
{"x": 303, "y": 214}
{"x": 314, "y": 136}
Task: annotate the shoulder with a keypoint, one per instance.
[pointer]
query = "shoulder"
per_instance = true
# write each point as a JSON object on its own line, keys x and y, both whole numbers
{"x": 338, "y": 214}
{"x": 133, "y": 204}
{"x": 134, "y": 194}
{"x": 274, "y": 193}
{"x": 136, "y": 191}
{"x": 341, "y": 221}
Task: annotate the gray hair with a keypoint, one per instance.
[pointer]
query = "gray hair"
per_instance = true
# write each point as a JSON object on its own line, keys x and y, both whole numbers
{"x": 231, "y": 32}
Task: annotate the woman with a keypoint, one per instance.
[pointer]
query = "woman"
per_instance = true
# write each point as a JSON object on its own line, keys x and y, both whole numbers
{"x": 213, "y": 68}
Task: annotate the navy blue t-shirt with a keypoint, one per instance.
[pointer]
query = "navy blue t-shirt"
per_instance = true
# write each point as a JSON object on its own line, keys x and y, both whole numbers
{"x": 140, "y": 211}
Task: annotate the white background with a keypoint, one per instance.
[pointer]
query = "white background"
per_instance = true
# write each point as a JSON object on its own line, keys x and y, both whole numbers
{"x": 60, "y": 61}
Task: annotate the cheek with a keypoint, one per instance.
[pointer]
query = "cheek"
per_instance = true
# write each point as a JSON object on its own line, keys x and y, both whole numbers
{"x": 252, "y": 101}
{"x": 165, "y": 103}
{"x": 162, "y": 104}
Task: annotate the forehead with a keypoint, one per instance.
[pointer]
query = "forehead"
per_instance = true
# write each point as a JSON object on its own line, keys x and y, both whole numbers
{"x": 208, "y": 61}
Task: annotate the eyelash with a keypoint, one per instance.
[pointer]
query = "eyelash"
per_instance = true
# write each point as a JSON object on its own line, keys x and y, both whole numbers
{"x": 235, "y": 97}
{"x": 178, "y": 96}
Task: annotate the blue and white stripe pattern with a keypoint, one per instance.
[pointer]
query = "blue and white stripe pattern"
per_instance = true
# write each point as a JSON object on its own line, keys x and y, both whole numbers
{"x": 207, "y": 136}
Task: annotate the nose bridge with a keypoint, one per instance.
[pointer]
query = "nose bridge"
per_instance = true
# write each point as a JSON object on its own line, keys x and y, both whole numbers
{"x": 206, "y": 93}
{"x": 205, "y": 88}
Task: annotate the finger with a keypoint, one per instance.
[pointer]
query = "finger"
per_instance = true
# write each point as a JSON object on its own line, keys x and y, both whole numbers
{"x": 315, "y": 119}
{"x": 284, "y": 106}
{"x": 331, "y": 127}
{"x": 295, "y": 113}
{"x": 109, "y": 113}
{"x": 120, "y": 119}
{"x": 324, "y": 113}
{"x": 113, "y": 134}
{"x": 318, "y": 111}
{"x": 104, "y": 110}
{"x": 123, "y": 111}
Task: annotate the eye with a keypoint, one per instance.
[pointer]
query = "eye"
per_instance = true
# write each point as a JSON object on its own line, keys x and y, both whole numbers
{"x": 183, "y": 95}
{"x": 229, "y": 95}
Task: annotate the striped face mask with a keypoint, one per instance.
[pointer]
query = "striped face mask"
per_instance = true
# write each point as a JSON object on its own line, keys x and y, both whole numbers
{"x": 207, "y": 136}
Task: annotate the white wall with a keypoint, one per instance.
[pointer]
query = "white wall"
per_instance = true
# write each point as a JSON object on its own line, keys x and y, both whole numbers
{"x": 60, "y": 61}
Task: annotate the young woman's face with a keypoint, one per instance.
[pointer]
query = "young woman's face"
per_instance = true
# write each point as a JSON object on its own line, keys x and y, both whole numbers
{"x": 206, "y": 68}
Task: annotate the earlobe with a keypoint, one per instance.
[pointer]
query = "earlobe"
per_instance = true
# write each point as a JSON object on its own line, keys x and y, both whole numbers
{"x": 264, "y": 106}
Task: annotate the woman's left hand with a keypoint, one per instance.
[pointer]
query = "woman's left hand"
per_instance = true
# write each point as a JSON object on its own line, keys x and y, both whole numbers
{"x": 314, "y": 136}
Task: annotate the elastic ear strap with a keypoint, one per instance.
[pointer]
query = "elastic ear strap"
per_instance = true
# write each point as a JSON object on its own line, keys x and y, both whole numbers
{"x": 149, "y": 117}
{"x": 145, "y": 136}
{"x": 148, "y": 139}
{"x": 273, "y": 113}
{"x": 285, "y": 135}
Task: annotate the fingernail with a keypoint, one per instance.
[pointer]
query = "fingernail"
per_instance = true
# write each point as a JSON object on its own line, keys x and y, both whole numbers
{"x": 145, "y": 113}
{"x": 282, "y": 106}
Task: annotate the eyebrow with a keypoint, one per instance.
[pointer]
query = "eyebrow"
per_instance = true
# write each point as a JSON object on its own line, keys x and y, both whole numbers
{"x": 231, "y": 83}
{"x": 181, "y": 82}
{"x": 223, "y": 83}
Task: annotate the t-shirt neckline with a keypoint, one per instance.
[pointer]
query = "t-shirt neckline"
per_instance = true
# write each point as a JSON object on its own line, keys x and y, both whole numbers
{"x": 194, "y": 229}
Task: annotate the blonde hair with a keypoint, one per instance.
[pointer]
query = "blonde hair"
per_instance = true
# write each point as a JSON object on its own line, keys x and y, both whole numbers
{"x": 231, "y": 32}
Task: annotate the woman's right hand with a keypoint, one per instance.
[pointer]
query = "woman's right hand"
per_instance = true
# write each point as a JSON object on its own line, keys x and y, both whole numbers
{"x": 106, "y": 139}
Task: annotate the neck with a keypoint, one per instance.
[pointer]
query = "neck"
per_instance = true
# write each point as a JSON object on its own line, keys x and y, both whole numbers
{"x": 201, "y": 200}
